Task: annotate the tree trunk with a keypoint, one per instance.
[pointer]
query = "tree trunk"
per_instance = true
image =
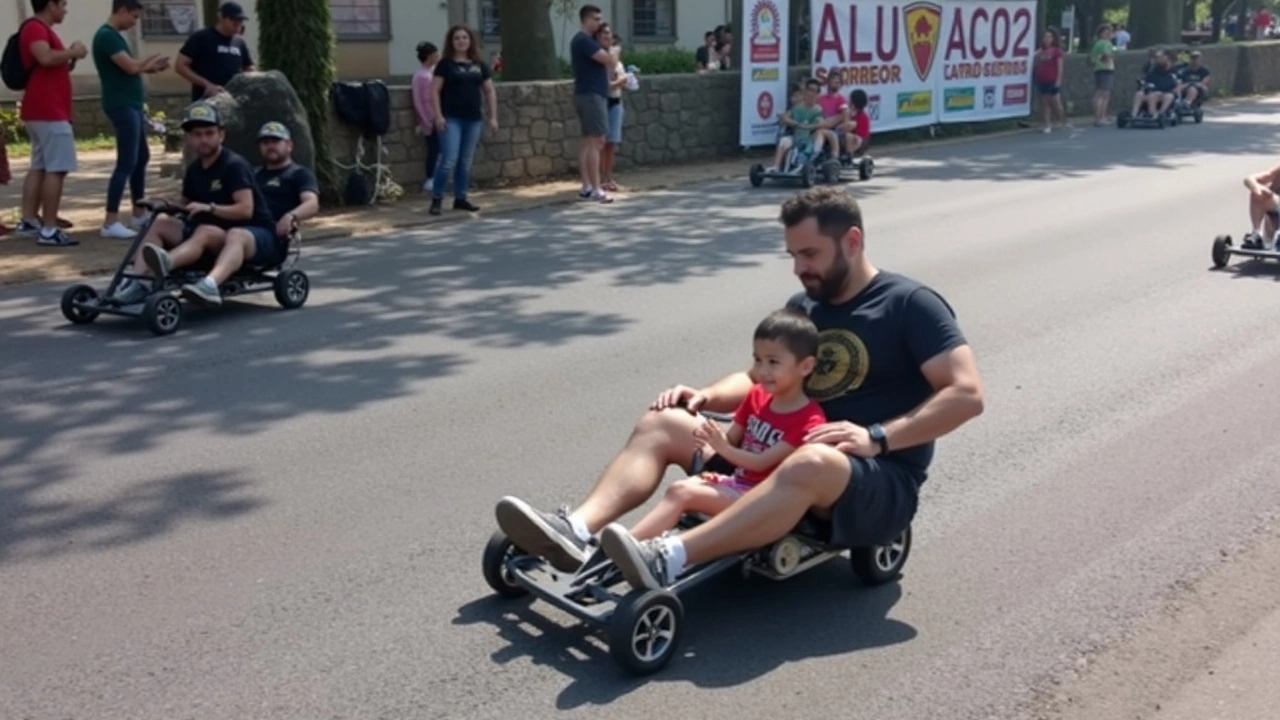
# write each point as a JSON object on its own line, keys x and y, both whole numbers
{"x": 297, "y": 38}
{"x": 1154, "y": 22}
{"x": 528, "y": 43}
{"x": 209, "y": 12}
{"x": 1189, "y": 15}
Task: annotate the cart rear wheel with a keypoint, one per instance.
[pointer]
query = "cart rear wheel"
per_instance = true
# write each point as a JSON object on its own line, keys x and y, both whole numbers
{"x": 292, "y": 288}
{"x": 880, "y": 564}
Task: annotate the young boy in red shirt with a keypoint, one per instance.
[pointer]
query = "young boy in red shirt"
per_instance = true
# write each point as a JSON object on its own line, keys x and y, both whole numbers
{"x": 860, "y": 133}
{"x": 768, "y": 426}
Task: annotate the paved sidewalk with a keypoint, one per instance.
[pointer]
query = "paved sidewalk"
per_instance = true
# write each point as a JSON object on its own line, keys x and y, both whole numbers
{"x": 23, "y": 262}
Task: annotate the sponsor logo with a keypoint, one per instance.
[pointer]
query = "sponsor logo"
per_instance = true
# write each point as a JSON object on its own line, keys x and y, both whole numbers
{"x": 764, "y": 105}
{"x": 767, "y": 26}
{"x": 1015, "y": 94}
{"x": 913, "y": 104}
{"x": 988, "y": 97}
{"x": 764, "y": 74}
{"x": 923, "y": 26}
{"x": 958, "y": 99}
{"x": 873, "y": 107}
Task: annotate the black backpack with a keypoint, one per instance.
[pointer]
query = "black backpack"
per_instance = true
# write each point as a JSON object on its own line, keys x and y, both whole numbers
{"x": 12, "y": 71}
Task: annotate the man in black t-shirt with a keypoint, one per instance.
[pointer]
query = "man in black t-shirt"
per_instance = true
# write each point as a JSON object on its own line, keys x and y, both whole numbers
{"x": 1158, "y": 87}
{"x": 291, "y": 190}
{"x": 220, "y": 195}
{"x": 1195, "y": 79}
{"x": 894, "y": 374}
{"x": 212, "y": 56}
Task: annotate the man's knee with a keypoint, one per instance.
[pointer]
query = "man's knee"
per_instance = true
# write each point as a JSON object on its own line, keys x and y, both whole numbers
{"x": 817, "y": 470}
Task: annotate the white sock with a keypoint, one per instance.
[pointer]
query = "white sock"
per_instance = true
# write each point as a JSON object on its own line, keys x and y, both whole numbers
{"x": 676, "y": 556}
{"x": 48, "y": 232}
{"x": 579, "y": 528}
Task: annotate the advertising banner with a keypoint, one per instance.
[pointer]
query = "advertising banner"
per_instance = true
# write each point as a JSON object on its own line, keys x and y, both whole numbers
{"x": 764, "y": 70}
{"x": 923, "y": 62}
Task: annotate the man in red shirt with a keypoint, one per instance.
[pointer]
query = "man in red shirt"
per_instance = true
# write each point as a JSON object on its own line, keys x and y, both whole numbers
{"x": 46, "y": 114}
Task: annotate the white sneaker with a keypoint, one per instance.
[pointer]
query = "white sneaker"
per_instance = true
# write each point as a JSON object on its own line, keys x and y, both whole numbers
{"x": 117, "y": 231}
{"x": 139, "y": 220}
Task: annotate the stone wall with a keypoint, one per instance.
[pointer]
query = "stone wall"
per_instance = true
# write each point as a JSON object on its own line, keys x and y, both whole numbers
{"x": 90, "y": 121}
{"x": 672, "y": 118}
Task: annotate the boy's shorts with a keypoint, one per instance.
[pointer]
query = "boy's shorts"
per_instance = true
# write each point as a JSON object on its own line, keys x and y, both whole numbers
{"x": 725, "y": 483}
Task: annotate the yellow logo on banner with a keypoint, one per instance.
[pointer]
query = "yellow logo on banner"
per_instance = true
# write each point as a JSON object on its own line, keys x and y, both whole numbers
{"x": 764, "y": 74}
{"x": 916, "y": 103}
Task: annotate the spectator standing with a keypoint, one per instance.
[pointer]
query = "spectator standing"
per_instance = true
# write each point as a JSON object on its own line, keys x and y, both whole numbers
{"x": 1262, "y": 22}
{"x": 46, "y": 115}
{"x": 424, "y": 106}
{"x": 1048, "y": 78}
{"x": 1122, "y": 38}
{"x": 212, "y": 56}
{"x": 460, "y": 88}
{"x": 1103, "y": 59}
{"x": 123, "y": 96}
{"x": 591, "y": 65}
{"x": 705, "y": 59}
{"x": 617, "y": 80}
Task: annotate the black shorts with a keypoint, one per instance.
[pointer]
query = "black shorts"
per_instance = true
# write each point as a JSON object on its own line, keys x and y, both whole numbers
{"x": 879, "y": 503}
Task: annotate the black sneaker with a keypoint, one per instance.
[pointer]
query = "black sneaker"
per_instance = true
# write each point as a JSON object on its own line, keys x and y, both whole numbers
{"x": 57, "y": 239}
{"x": 1252, "y": 241}
{"x": 643, "y": 563}
{"x": 544, "y": 535}
{"x": 464, "y": 204}
{"x": 435, "y": 206}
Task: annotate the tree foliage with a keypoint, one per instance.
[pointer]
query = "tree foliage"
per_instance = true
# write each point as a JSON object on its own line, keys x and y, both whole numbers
{"x": 297, "y": 38}
{"x": 528, "y": 42}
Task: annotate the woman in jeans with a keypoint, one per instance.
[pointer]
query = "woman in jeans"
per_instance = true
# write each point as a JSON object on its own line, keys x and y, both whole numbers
{"x": 462, "y": 86}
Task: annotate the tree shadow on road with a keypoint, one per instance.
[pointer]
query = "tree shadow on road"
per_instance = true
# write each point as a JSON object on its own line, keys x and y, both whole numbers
{"x": 736, "y": 631}
{"x": 73, "y": 393}
{"x": 1236, "y": 129}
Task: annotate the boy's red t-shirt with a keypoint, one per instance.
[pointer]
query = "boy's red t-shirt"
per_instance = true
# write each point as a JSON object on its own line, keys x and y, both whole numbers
{"x": 48, "y": 94}
{"x": 862, "y": 124}
{"x": 762, "y": 428}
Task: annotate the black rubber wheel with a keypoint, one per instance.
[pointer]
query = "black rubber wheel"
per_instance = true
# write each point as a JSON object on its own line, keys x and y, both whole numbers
{"x": 1122, "y": 120}
{"x": 756, "y": 175}
{"x": 1160, "y": 122}
{"x": 79, "y": 294}
{"x": 831, "y": 172}
{"x": 292, "y": 287}
{"x": 866, "y": 169}
{"x": 807, "y": 175}
{"x": 162, "y": 313}
{"x": 1221, "y": 251}
{"x": 494, "y": 566}
{"x": 1199, "y": 116}
{"x": 645, "y": 630}
{"x": 882, "y": 563}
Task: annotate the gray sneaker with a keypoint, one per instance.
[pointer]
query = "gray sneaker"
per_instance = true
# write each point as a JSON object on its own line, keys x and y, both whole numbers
{"x": 204, "y": 291}
{"x": 26, "y": 228}
{"x": 544, "y": 535}
{"x": 642, "y": 562}
{"x": 157, "y": 259}
{"x": 130, "y": 292}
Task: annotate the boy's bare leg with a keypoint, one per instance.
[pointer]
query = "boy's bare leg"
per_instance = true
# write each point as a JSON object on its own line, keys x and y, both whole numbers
{"x": 691, "y": 495}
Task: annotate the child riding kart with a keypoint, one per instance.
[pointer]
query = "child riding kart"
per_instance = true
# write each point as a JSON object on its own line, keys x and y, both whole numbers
{"x": 801, "y": 150}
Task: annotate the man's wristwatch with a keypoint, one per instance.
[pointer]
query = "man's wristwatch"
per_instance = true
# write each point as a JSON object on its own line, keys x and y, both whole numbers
{"x": 212, "y": 207}
{"x": 879, "y": 437}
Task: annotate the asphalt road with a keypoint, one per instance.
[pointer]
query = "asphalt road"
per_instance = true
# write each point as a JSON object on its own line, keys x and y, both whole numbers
{"x": 278, "y": 515}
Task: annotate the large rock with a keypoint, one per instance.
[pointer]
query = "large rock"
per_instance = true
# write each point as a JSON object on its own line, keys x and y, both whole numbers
{"x": 252, "y": 99}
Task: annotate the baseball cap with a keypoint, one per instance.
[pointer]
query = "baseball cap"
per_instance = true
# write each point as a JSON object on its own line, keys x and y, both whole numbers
{"x": 200, "y": 113}
{"x": 232, "y": 10}
{"x": 274, "y": 129}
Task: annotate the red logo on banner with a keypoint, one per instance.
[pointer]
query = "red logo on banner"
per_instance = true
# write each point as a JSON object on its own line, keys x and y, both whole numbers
{"x": 764, "y": 105}
{"x": 766, "y": 32}
{"x": 923, "y": 22}
{"x": 1015, "y": 94}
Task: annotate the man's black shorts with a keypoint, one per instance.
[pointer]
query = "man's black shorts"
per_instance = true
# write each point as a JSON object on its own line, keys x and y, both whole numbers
{"x": 878, "y": 504}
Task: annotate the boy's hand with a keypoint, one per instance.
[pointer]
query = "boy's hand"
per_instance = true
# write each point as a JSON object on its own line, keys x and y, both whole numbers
{"x": 712, "y": 434}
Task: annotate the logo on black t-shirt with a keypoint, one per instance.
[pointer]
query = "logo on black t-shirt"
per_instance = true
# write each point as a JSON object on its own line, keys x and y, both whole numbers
{"x": 842, "y": 365}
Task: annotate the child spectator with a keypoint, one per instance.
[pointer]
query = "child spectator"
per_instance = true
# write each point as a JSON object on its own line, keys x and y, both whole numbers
{"x": 428, "y": 55}
{"x": 768, "y": 426}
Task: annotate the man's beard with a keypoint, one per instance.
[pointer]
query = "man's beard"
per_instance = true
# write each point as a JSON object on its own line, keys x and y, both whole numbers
{"x": 831, "y": 282}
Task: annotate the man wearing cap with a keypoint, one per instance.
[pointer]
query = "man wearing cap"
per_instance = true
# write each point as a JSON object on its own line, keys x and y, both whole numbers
{"x": 1195, "y": 79}
{"x": 292, "y": 192}
{"x": 220, "y": 195}
{"x": 212, "y": 56}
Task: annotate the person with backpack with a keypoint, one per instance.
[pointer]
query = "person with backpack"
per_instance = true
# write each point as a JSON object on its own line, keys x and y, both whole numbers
{"x": 36, "y": 62}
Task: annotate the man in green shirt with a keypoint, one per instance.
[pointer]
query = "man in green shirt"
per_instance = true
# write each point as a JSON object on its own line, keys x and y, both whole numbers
{"x": 123, "y": 95}
{"x": 1103, "y": 59}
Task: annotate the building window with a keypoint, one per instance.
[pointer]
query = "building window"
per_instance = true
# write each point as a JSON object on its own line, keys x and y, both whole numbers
{"x": 490, "y": 19}
{"x": 170, "y": 18}
{"x": 361, "y": 19}
{"x": 654, "y": 19}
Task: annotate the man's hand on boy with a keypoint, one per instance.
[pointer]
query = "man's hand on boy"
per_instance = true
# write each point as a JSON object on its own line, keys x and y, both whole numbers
{"x": 846, "y": 437}
{"x": 672, "y": 397}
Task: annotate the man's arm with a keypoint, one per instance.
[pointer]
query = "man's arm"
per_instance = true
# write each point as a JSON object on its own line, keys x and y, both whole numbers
{"x": 46, "y": 56}
{"x": 1256, "y": 183}
{"x": 957, "y": 399}
{"x": 727, "y": 393}
{"x": 182, "y": 66}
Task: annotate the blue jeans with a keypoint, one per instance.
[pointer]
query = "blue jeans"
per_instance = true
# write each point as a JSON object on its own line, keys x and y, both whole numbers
{"x": 457, "y": 149}
{"x": 132, "y": 156}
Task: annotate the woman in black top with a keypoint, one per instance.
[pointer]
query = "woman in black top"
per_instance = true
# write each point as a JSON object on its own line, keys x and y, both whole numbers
{"x": 461, "y": 81}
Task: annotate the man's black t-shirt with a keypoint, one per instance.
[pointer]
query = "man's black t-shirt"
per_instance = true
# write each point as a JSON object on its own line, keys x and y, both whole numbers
{"x": 1194, "y": 74}
{"x": 461, "y": 97}
{"x": 217, "y": 184}
{"x": 283, "y": 187}
{"x": 215, "y": 57}
{"x": 1163, "y": 79}
{"x": 870, "y": 352}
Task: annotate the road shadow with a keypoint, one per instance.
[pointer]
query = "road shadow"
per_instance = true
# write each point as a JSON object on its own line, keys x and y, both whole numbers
{"x": 1251, "y": 268}
{"x": 111, "y": 388}
{"x": 1236, "y": 129}
{"x": 736, "y": 631}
